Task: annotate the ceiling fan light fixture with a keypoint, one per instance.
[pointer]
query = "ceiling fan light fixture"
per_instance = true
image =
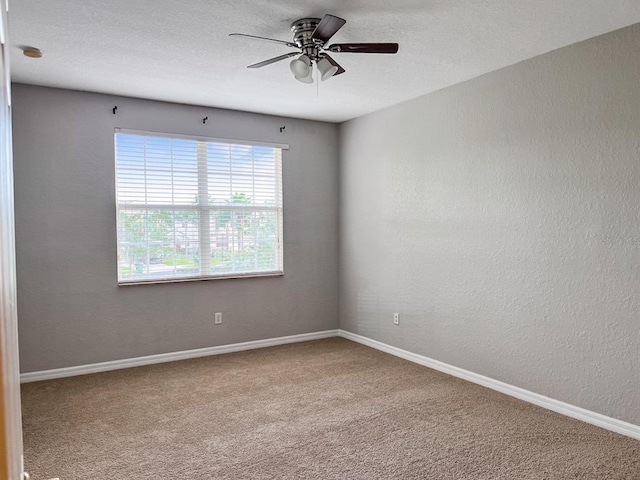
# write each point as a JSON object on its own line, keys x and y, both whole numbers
{"x": 301, "y": 66}
{"x": 307, "y": 79}
{"x": 326, "y": 69}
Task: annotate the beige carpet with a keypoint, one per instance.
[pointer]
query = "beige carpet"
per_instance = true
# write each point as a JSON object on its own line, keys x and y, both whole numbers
{"x": 329, "y": 409}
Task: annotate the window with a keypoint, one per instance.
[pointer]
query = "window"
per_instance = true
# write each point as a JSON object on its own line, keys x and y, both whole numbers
{"x": 192, "y": 208}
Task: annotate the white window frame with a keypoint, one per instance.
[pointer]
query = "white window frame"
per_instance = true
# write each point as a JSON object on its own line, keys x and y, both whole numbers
{"x": 204, "y": 209}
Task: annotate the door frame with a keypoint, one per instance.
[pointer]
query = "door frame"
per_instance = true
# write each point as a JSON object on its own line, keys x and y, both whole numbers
{"x": 11, "y": 463}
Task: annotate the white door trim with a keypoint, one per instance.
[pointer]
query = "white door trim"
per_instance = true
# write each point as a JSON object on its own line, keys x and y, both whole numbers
{"x": 11, "y": 427}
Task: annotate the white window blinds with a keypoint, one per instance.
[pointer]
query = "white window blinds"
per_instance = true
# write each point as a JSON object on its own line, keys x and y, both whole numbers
{"x": 191, "y": 208}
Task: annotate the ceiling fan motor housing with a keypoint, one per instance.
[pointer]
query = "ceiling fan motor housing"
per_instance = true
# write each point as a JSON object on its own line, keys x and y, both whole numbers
{"x": 302, "y": 36}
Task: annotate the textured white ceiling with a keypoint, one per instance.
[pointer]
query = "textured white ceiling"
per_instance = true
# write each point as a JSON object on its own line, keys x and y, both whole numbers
{"x": 179, "y": 51}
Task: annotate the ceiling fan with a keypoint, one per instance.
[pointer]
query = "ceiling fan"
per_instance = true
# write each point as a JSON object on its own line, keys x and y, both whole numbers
{"x": 310, "y": 37}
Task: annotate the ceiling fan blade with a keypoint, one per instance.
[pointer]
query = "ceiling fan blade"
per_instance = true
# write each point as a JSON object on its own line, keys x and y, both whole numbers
{"x": 273, "y": 60}
{"x": 255, "y": 37}
{"x": 335, "y": 64}
{"x": 364, "y": 48}
{"x": 327, "y": 28}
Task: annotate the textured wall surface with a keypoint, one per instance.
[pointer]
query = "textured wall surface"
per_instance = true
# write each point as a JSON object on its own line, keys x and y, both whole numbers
{"x": 72, "y": 312}
{"x": 501, "y": 218}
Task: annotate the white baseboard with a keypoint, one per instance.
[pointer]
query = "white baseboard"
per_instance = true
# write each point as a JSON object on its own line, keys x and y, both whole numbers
{"x": 618, "y": 426}
{"x": 563, "y": 408}
{"x": 171, "y": 357}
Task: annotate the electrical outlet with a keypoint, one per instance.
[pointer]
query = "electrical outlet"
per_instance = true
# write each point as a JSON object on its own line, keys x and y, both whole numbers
{"x": 396, "y": 319}
{"x": 218, "y": 318}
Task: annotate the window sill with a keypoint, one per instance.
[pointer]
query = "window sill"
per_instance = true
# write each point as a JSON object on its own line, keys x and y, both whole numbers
{"x": 200, "y": 279}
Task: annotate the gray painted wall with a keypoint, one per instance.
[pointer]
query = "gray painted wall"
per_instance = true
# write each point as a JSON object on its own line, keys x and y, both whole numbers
{"x": 501, "y": 218}
{"x": 72, "y": 312}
